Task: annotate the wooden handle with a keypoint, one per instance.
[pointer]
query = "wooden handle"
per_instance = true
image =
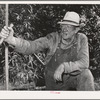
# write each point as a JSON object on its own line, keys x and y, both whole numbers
{"x": 1, "y": 40}
{"x": 6, "y": 55}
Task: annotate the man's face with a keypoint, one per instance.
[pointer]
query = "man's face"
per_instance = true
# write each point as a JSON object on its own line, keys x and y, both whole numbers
{"x": 68, "y": 31}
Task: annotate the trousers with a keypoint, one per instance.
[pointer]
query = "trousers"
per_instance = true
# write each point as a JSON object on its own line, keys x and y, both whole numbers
{"x": 81, "y": 82}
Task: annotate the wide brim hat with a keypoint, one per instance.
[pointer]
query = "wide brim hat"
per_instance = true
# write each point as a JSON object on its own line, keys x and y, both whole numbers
{"x": 71, "y": 18}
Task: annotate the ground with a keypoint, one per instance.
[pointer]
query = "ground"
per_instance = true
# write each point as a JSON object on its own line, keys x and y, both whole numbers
{"x": 30, "y": 87}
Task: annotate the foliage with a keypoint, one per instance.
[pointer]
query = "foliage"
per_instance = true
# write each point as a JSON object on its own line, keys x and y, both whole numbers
{"x": 2, "y": 22}
{"x": 92, "y": 17}
{"x": 32, "y": 21}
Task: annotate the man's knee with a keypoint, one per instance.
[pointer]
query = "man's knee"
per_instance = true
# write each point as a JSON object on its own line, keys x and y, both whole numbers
{"x": 86, "y": 81}
{"x": 87, "y": 75}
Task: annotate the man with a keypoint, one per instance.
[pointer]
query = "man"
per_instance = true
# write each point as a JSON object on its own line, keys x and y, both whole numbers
{"x": 67, "y": 61}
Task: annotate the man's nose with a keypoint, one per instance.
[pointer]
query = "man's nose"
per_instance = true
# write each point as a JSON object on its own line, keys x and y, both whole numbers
{"x": 65, "y": 29}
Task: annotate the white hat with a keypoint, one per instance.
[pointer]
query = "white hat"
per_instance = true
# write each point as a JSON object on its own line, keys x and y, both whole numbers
{"x": 71, "y": 18}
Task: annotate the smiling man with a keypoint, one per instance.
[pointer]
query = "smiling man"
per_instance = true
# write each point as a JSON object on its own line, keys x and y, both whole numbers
{"x": 67, "y": 61}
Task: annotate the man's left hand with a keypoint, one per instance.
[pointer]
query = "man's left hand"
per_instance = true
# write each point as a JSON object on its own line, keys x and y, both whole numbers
{"x": 58, "y": 73}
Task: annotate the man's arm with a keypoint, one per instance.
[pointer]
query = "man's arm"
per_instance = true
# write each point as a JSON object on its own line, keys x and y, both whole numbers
{"x": 24, "y": 46}
{"x": 29, "y": 47}
{"x": 83, "y": 57}
{"x": 81, "y": 63}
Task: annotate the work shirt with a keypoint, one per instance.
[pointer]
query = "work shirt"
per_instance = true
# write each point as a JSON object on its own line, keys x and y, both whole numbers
{"x": 51, "y": 42}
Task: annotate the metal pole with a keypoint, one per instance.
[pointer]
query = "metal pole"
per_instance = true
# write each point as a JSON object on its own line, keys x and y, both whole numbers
{"x": 6, "y": 54}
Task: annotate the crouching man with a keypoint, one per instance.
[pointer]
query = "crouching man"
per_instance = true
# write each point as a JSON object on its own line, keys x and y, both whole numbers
{"x": 67, "y": 61}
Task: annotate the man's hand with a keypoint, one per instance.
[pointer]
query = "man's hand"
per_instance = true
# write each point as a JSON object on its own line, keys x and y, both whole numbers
{"x": 58, "y": 73}
{"x": 7, "y": 34}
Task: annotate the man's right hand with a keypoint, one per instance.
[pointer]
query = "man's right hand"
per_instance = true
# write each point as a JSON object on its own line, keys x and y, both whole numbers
{"x": 7, "y": 34}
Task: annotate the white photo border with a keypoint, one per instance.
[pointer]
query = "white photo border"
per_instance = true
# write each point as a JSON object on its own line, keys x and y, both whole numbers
{"x": 49, "y": 94}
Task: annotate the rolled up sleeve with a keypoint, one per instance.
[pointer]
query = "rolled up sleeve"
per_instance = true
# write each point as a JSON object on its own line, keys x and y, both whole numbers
{"x": 30, "y": 47}
{"x": 82, "y": 58}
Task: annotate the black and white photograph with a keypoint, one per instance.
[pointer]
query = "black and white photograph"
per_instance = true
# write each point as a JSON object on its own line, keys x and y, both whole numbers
{"x": 49, "y": 47}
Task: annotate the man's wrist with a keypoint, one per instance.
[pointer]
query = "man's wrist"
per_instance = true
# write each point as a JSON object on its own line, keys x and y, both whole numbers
{"x": 66, "y": 67}
{"x": 12, "y": 41}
